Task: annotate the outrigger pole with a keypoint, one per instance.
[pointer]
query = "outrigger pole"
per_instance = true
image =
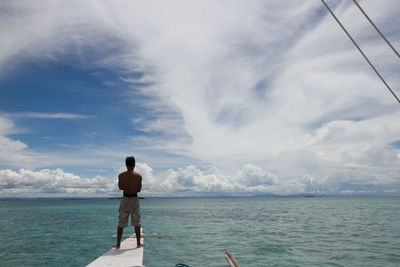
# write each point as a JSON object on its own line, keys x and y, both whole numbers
{"x": 376, "y": 28}
{"x": 362, "y": 53}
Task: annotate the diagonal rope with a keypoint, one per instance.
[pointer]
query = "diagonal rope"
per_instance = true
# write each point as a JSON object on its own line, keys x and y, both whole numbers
{"x": 359, "y": 49}
{"x": 376, "y": 28}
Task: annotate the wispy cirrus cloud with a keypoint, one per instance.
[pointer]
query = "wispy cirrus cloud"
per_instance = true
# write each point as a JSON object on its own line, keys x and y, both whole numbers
{"x": 42, "y": 115}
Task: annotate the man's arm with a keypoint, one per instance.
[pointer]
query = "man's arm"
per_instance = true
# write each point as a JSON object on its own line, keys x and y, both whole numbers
{"x": 139, "y": 183}
{"x": 120, "y": 182}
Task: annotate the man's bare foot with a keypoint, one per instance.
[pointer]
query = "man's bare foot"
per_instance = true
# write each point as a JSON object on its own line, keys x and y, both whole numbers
{"x": 117, "y": 246}
{"x": 140, "y": 246}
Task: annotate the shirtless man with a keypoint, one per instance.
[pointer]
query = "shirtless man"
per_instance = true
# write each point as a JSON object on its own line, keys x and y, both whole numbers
{"x": 131, "y": 183}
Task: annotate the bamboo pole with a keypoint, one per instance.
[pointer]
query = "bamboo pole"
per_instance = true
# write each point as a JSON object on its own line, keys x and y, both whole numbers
{"x": 231, "y": 259}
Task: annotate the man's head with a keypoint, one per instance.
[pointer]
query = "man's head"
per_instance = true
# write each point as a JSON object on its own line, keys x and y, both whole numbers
{"x": 130, "y": 162}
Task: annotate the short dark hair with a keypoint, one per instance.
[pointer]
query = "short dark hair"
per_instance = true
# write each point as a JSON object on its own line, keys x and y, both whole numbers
{"x": 130, "y": 161}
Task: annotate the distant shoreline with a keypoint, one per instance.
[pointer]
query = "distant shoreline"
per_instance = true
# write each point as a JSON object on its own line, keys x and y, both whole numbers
{"x": 201, "y": 197}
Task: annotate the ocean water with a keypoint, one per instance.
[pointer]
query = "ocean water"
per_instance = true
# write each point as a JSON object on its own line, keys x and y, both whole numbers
{"x": 320, "y": 231}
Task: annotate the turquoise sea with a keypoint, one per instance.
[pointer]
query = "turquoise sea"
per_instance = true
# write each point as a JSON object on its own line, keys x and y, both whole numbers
{"x": 318, "y": 231}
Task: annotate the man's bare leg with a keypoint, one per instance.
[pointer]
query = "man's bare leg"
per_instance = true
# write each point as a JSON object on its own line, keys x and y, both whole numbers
{"x": 119, "y": 237}
{"x": 137, "y": 232}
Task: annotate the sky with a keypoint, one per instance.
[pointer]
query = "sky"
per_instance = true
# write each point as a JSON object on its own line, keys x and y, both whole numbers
{"x": 213, "y": 98}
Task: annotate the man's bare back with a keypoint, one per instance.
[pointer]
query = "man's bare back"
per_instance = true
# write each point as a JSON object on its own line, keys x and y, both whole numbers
{"x": 130, "y": 182}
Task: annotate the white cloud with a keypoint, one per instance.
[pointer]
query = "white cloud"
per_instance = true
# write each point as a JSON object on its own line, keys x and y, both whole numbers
{"x": 252, "y": 176}
{"x": 211, "y": 70}
{"x": 45, "y": 182}
{"x": 275, "y": 84}
{"x": 11, "y": 151}
{"x": 41, "y": 115}
{"x": 250, "y": 179}
{"x": 15, "y": 153}
{"x": 188, "y": 181}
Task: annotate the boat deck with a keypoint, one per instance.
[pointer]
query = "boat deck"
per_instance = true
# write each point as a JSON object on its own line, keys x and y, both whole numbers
{"x": 127, "y": 255}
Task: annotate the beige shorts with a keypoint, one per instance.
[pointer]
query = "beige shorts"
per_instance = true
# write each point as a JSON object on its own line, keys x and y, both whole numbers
{"x": 129, "y": 206}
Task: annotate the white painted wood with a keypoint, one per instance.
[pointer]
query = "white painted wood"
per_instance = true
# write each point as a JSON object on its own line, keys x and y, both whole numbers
{"x": 232, "y": 259}
{"x": 229, "y": 261}
{"x": 126, "y": 255}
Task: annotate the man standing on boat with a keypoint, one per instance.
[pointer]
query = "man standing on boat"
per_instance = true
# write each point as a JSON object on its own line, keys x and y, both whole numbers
{"x": 131, "y": 183}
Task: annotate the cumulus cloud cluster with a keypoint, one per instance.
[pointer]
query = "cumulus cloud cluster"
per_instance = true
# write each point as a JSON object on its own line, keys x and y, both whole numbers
{"x": 188, "y": 181}
{"x": 270, "y": 92}
{"x": 56, "y": 182}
